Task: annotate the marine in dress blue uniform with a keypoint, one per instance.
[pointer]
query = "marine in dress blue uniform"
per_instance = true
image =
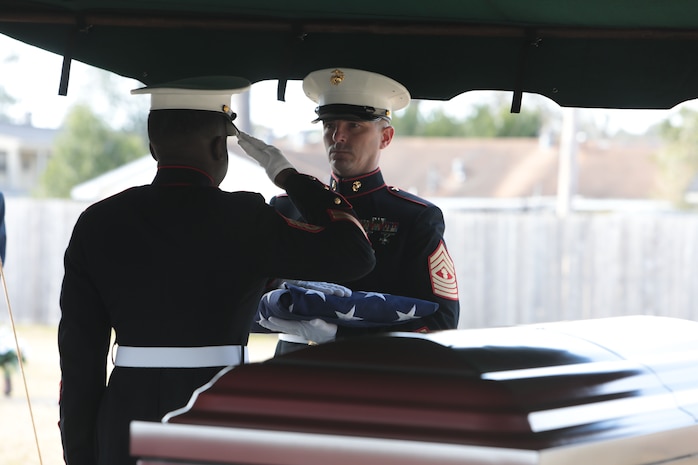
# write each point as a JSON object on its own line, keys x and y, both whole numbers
{"x": 406, "y": 231}
{"x": 176, "y": 269}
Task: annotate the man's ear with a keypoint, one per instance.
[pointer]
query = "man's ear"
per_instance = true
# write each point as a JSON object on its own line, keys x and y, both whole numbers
{"x": 219, "y": 147}
{"x": 387, "y": 136}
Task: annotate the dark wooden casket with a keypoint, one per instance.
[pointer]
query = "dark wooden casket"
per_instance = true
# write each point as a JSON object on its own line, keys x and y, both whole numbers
{"x": 613, "y": 391}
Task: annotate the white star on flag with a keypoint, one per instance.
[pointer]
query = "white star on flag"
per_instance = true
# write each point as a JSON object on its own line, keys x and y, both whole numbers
{"x": 407, "y": 316}
{"x": 374, "y": 294}
{"x": 349, "y": 316}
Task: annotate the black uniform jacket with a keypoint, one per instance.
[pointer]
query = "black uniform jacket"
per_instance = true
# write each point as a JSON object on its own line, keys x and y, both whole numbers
{"x": 412, "y": 260}
{"x": 178, "y": 263}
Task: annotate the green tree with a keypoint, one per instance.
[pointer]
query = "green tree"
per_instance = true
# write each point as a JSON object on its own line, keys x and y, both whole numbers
{"x": 439, "y": 124}
{"x": 409, "y": 122}
{"x": 132, "y": 111}
{"x": 84, "y": 148}
{"x": 481, "y": 123}
{"x": 678, "y": 158}
{"x": 485, "y": 120}
{"x": 6, "y": 100}
{"x": 527, "y": 123}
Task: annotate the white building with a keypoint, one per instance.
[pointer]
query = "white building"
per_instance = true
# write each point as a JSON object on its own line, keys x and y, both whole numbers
{"x": 244, "y": 174}
{"x": 24, "y": 153}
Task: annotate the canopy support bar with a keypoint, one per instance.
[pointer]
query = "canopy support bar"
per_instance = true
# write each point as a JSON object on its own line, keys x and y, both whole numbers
{"x": 65, "y": 74}
{"x": 298, "y": 36}
{"x": 281, "y": 90}
{"x": 80, "y": 26}
{"x": 67, "y": 60}
{"x": 532, "y": 40}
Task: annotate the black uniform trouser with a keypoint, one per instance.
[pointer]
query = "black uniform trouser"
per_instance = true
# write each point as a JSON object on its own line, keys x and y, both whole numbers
{"x": 145, "y": 394}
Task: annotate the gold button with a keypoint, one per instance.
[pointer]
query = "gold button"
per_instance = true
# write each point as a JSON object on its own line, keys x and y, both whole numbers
{"x": 337, "y": 200}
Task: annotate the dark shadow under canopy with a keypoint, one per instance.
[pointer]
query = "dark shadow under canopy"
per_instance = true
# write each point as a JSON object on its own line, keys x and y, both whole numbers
{"x": 592, "y": 53}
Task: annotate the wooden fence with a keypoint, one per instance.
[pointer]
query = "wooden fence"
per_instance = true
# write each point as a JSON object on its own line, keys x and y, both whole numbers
{"x": 37, "y": 235}
{"x": 530, "y": 268}
{"x": 512, "y": 268}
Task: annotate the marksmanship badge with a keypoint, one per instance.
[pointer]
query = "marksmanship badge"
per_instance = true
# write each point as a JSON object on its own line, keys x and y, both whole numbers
{"x": 382, "y": 228}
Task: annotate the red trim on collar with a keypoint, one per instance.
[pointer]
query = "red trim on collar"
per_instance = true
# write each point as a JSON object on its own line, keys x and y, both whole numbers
{"x": 185, "y": 167}
{"x": 361, "y": 176}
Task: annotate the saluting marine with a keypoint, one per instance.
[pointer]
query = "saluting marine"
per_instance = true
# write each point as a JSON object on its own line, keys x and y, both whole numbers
{"x": 406, "y": 231}
{"x": 176, "y": 269}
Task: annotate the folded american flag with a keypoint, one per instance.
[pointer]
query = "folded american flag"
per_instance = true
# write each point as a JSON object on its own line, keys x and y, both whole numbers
{"x": 361, "y": 309}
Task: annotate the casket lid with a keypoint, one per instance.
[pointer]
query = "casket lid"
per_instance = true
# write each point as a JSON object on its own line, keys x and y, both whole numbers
{"x": 528, "y": 387}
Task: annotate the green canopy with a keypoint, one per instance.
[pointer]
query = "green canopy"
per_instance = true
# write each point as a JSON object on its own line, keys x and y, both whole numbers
{"x": 591, "y": 53}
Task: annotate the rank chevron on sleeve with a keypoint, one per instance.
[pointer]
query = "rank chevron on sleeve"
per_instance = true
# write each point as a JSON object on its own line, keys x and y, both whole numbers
{"x": 443, "y": 273}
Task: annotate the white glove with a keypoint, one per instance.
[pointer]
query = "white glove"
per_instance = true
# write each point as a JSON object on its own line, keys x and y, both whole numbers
{"x": 269, "y": 157}
{"x": 317, "y": 330}
{"x": 325, "y": 288}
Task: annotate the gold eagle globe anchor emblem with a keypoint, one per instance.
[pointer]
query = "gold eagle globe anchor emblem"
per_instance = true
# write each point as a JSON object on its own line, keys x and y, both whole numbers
{"x": 337, "y": 77}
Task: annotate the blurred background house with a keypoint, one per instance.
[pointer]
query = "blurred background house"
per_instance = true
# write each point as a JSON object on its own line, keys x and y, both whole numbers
{"x": 24, "y": 153}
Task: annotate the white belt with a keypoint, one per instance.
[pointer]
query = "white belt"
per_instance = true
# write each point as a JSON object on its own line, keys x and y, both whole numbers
{"x": 293, "y": 338}
{"x": 180, "y": 357}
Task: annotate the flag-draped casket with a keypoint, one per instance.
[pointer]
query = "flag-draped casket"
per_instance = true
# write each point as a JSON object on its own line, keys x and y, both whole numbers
{"x": 610, "y": 391}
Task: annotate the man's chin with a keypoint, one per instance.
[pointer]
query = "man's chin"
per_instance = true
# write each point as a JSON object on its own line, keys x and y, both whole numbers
{"x": 340, "y": 168}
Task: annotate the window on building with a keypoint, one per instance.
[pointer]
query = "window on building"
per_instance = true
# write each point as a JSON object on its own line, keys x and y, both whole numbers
{"x": 28, "y": 161}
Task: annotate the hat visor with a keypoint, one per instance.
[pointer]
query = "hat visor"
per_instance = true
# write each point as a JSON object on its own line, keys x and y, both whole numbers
{"x": 344, "y": 112}
{"x": 347, "y": 117}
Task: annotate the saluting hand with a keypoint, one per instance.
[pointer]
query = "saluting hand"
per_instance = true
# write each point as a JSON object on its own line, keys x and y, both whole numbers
{"x": 269, "y": 157}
